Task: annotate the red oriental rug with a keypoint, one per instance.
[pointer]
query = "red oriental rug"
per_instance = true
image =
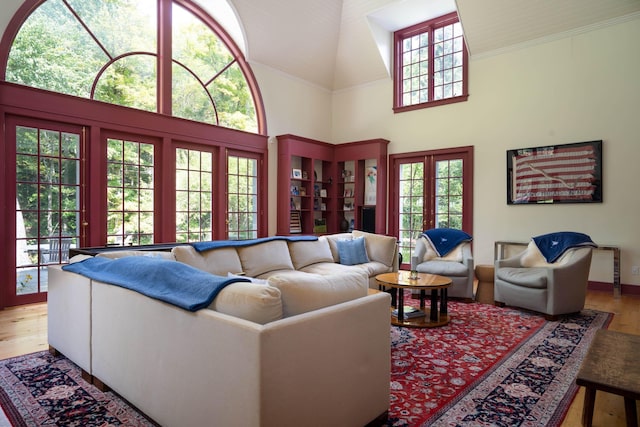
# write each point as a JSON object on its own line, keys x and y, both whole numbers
{"x": 490, "y": 366}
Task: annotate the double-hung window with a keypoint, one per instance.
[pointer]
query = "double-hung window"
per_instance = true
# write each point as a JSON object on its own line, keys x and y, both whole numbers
{"x": 430, "y": 63}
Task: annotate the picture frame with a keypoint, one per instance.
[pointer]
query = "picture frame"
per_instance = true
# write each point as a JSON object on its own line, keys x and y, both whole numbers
{"x": 323, "y": 192}
{"x": 296, "y": 173}
{"x": 565, "y": 173}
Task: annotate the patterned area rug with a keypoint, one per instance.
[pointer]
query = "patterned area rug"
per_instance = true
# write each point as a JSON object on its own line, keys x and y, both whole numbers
{"x": 40, "y": 389}
{"x": 490, "y": 366}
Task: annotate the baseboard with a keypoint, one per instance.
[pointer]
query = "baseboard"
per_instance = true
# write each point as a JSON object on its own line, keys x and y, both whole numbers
{"x": 605, "y": 286}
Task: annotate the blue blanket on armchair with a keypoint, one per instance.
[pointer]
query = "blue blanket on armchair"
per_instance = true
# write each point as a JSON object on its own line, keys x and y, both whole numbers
{"x": 169, "y": 281}
{"x": 553, "y": 245}
{"x": 444, "y": 240}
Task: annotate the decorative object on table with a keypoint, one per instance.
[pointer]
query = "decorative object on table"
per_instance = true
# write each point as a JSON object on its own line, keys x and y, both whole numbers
{"x": 344, "y": 225}
{"x": 568, "y": 173}
{"x": 303, "y": 191}
{"x": 305, "y": 175}
{"x": 409, "y": 312}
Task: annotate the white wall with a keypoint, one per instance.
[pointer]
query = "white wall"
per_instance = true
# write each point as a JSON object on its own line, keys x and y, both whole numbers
{"x": 579, "y": 88}
{"x": 292, "y": 106}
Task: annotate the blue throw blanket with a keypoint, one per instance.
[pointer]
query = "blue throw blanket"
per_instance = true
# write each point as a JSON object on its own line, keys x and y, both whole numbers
{"x": 169, "y": 281}
{"x": 553, "y": 245}
{"x": 217, "y": 244}
{"x": 444, "y": 240}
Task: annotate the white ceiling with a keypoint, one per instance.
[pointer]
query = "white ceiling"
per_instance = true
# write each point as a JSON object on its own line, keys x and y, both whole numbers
{"x": 342, "y": 43}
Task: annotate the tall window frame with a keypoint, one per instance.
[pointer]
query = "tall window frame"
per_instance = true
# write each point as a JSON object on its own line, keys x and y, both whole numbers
{"x": 162, "y": 58}
{"x": 97, "y": 121}
{"x": 423, "y": 195}
{"x": 426, "y": 64}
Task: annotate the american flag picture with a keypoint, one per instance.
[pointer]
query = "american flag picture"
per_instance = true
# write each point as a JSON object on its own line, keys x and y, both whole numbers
{"x": 562, "y": 173}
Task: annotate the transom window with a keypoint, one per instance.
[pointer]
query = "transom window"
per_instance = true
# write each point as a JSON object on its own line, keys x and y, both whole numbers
{"x": 430, "y": 64}
{"x": 118, "y": 51}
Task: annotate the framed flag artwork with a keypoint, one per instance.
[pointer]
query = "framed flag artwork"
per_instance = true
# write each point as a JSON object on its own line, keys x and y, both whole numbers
{"x": 567, "y": 173}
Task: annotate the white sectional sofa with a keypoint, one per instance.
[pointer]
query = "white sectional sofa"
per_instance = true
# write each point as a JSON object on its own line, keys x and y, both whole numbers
{"x": 309, "y": 347}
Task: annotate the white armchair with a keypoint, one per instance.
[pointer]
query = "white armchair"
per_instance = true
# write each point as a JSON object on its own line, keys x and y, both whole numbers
{"x": 528, "y": 281}
{"x": 457, "y": 265}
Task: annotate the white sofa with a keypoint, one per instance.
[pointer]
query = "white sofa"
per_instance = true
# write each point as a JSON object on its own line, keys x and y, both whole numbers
{"x": 311, "y": 347}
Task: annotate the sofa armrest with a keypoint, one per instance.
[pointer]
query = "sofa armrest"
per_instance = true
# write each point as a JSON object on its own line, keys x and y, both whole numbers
{"x": 346, "y": 358}
{"x": 69, "y": 315}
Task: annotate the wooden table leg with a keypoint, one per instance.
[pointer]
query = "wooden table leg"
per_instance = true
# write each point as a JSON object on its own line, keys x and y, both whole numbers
{"x": 443, "y": 301}
{"x": 400, "y": 305}
{"x": 587, "y": 409}
{"x": 434, "y": 306}
{"x": 631, "y": 412}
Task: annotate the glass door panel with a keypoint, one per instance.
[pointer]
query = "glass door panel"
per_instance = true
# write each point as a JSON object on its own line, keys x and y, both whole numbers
{"x": 47, "y": 203}
{"x": 242, "y": 198}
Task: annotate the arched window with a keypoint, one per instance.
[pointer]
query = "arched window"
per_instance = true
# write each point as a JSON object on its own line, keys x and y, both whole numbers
{"x": 164, "y": 56}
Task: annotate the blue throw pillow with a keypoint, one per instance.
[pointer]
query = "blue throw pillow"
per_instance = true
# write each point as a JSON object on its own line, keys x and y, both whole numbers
{"x": 352, "y": 252}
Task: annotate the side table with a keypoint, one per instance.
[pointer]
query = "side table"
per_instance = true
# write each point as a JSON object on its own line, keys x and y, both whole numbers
{"x": 485, "y": 276}
{"x": 611, "y": 365}
{"x": 434, "y": 316}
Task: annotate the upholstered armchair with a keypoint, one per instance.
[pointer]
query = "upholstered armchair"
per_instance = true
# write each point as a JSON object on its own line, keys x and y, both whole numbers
{"x": 452, "y": 259}
{"x": 551, "y": 284}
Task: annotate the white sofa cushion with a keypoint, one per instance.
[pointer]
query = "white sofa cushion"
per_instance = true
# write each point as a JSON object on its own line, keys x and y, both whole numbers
{"x": 304, "y": 253}
{"x": 265, "y": 257}
{"x": 532, "y": 257}
{"x": 444, "y": 268}
{"x": 250, "y": 301}
{"x": 379, "y": 247}
{"x": 304, "y": 292}
{"x": 216, "y": 261}
{"x": 430, "y": 253}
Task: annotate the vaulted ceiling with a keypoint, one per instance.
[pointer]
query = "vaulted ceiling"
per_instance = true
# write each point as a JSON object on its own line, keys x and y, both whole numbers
{"x": 337, "y": 44}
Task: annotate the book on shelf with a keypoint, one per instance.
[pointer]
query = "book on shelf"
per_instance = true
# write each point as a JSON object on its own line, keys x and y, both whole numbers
{"x": 409, "y": 312}
{"x": 295, "y": 225}
{"x": 320, "y": 225}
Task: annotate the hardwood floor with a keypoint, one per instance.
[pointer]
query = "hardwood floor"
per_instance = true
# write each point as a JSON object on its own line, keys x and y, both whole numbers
{"x": 24, "y": 330}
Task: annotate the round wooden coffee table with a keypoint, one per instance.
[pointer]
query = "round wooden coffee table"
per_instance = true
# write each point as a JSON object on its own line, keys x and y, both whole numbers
{"x": 433, "y": 316}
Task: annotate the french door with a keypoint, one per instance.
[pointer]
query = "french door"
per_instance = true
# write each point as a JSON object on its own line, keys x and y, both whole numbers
{"x": 431, "y": 189}
{"x": 44, "y": 172}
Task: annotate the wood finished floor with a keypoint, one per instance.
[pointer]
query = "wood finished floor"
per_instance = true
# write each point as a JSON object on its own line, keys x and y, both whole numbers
{"x": 23, "y": 330}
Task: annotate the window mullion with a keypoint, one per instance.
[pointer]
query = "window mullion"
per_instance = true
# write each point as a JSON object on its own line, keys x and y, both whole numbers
{"x": 432, "y": 79}
{"x": 164, "y": 57}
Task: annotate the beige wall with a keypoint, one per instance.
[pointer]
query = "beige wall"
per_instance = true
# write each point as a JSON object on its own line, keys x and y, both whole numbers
{"x": 579, "y": 88}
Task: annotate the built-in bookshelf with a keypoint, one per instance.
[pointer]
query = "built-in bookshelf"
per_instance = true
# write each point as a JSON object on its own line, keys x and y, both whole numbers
{"x": 327, "y": 188}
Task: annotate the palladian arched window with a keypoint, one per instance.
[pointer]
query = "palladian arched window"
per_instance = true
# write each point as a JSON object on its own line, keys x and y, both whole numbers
{"x": 156, "y": 55}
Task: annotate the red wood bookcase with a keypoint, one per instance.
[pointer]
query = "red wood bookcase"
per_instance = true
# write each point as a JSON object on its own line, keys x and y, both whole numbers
{"x": 319, "y": 184}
